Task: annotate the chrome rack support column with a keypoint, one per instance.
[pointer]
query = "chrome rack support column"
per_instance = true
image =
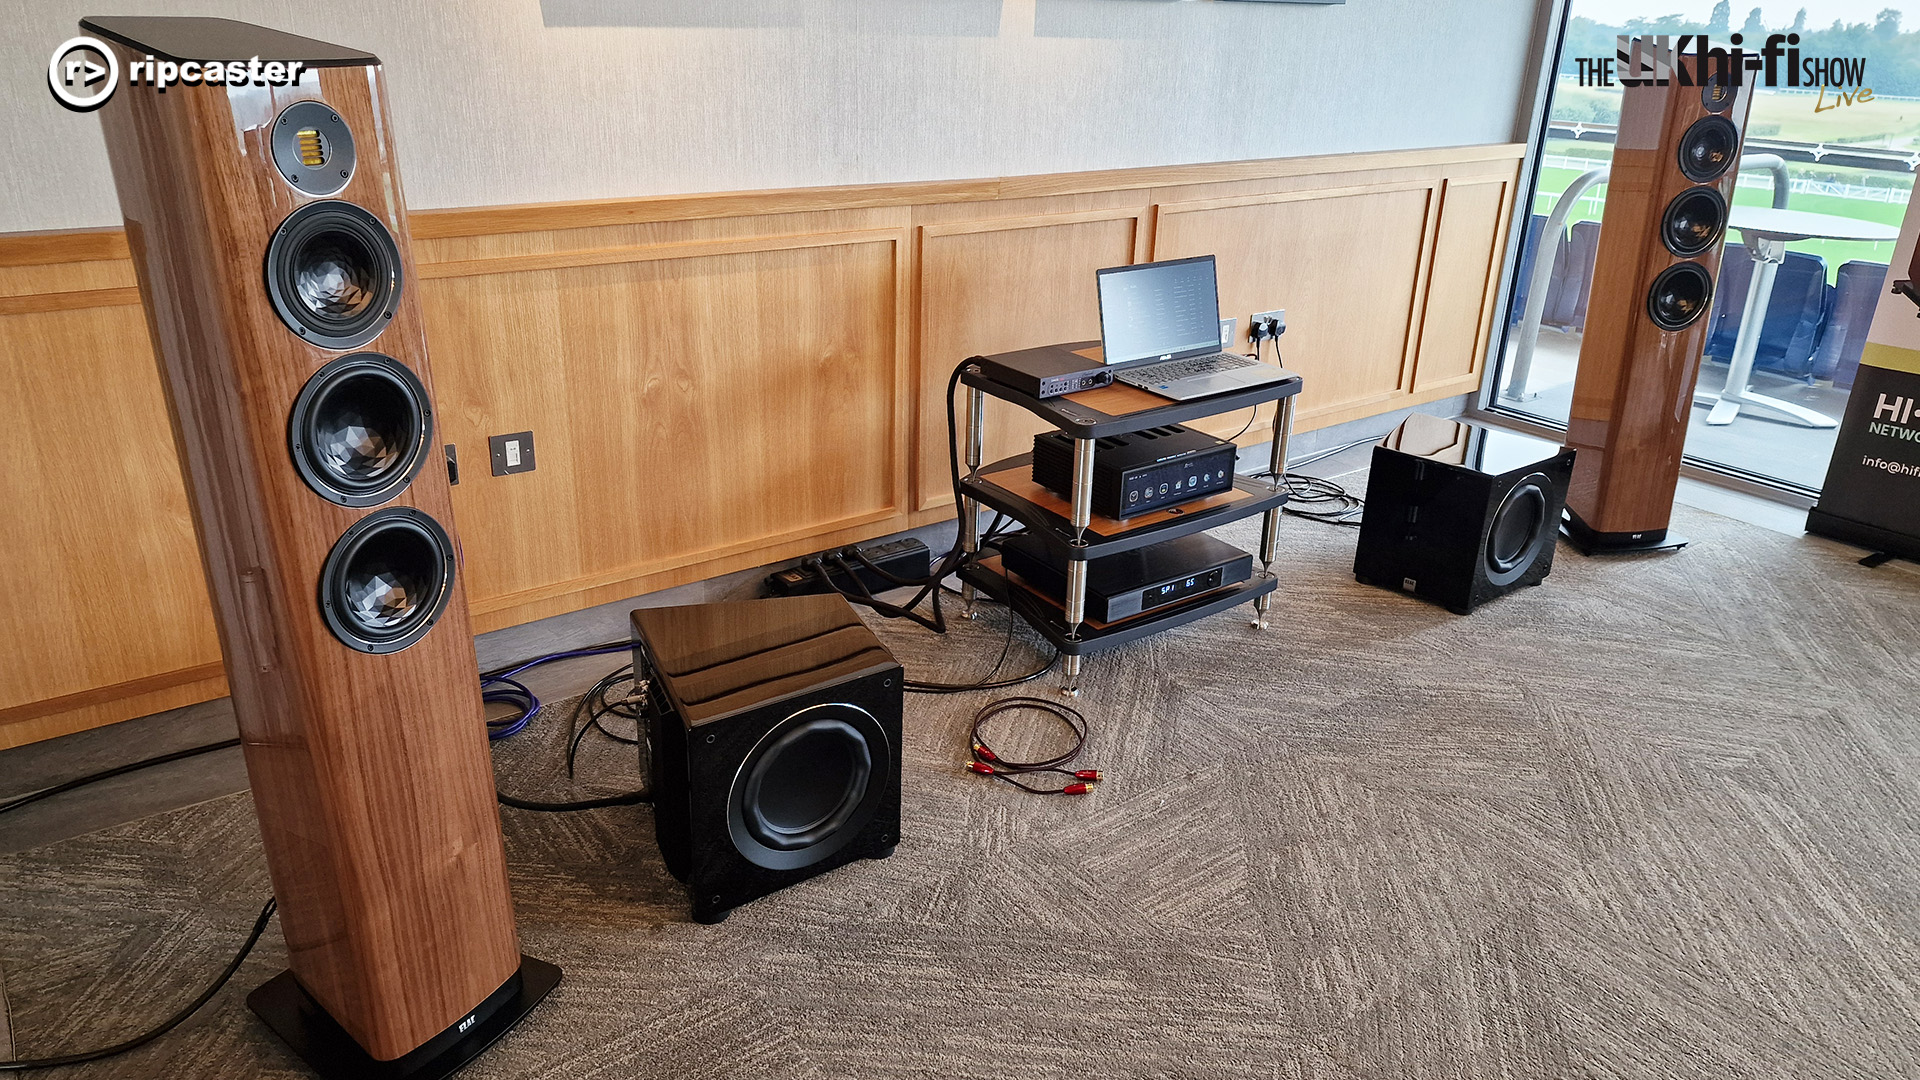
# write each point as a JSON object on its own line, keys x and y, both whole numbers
{"x": 969, "y": 508}
{"x": 1270, "y": 523}
{"x": 1076, "y": 600}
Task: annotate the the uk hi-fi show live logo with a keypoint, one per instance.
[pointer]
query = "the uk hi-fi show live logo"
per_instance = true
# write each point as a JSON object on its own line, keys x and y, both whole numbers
{"x": 1693, "y": 60}
{"x": 84, "y": 73}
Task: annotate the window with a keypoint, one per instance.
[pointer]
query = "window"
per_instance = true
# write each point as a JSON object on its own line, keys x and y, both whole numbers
{"x": 1847, "y": 153}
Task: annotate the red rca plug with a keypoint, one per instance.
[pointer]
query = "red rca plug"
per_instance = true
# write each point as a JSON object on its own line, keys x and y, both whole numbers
{"x": 1077, "y": 789}
{"x": 982, "y": 768}
{"x": 984, "y": 753}
{"x": 1088, "y": 774}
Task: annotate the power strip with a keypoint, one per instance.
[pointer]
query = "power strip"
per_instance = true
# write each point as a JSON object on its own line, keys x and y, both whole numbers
{"x": 907, "y": 558}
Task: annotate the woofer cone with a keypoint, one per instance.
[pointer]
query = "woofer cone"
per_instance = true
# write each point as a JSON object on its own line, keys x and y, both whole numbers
{"x": 1679, "y": 296}
{"x": 333, "y": 273}
{"x": 1694, "y": 221}
{"x": 809, "y": 787}
{"x": 387, "y": 580}
{"x": 1708, "y": 148}
{"x": 360, "y": 429}
{"x": 1519, "y": 530}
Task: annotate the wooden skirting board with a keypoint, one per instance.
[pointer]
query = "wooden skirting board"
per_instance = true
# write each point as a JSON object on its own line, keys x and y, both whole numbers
{"x": 714, "y": 381}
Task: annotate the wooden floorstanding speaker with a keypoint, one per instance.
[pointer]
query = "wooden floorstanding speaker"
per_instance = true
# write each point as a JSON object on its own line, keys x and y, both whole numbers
{"x": 269, "y": 232}
{"x": 1675, "y": 162}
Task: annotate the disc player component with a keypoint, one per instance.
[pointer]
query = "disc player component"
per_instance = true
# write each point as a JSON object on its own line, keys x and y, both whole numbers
{"x": 1049, "y": 371}
{"x": 1140, "y": 471}
{"x": 1460, "y": 513}
{"x": 270, "y": 246}
{"x": 1130, "y": 583}
{"x": 774, "y": 743}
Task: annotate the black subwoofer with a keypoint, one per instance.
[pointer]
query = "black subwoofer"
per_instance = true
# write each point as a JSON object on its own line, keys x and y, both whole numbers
{"x": 387, "y": 580}
{"x": 360, "y": 428}
{"x": 333, "y": 273}
{"x": 774, "y": 742}
{"x": 1460, "y": 513}
{"x": 1679, "y": 296}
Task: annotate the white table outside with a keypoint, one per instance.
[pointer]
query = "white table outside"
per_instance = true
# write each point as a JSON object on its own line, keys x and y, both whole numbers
{"x": 1767, "y": 232}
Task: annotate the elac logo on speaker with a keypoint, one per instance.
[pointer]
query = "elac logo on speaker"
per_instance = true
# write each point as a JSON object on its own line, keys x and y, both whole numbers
{"x": 84, "y": 73}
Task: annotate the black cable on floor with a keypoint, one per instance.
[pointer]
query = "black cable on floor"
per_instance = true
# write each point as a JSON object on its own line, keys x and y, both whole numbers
{"x": 108, "y": 774}
{"x": 259, "y": 927}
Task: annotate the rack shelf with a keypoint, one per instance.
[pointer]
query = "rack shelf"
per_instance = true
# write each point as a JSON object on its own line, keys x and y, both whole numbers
{"x": 1007, "y": 486}
{"x": 1046, "y": 615}
{"x": 1119, "y": 409}
{"x": 1072, "y": 531}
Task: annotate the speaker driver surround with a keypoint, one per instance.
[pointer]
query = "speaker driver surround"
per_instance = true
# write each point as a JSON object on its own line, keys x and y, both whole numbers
{"x": 809, "y": 786}
{"x": 1708, "y": 148}
{"x": 387, "y": 580}
{"x": 333, "y": 274}
{"x": 360, "y": 429}
{"x": 1694, "y": 221}
{"x": 1679, "y": 296}
{"x": 1520, "y": 529}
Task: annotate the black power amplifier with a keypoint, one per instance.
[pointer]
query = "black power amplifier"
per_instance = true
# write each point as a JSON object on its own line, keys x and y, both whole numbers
{"x": 1132, "y": 582}
{"x": 908, "y": 558}
{"x": 1139, "y": 471}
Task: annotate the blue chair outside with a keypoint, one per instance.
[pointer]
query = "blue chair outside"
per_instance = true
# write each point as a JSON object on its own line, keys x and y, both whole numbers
{"x": 1729, "y": 300}
{"x": 1857, "y": 290}
{"x": 1795, "y": 314}
{"x": 1567, "y": 300}
{"x": 1523, "y": 273}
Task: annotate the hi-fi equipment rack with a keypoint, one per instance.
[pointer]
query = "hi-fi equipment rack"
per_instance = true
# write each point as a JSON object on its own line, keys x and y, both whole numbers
{"x": 1075, "y": 534}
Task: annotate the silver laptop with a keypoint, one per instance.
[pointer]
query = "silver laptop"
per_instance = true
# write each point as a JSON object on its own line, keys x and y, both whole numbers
{"x": 1162, "y": 322}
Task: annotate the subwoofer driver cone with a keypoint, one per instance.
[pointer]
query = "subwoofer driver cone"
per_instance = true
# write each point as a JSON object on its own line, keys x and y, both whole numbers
{"x": 1694, "y": 221}
{"x": 360, "y": 429}
{"x": 387, "y": 580}
{"x": 809, "y": 786}
{"x": 333, "y": 274}
{"x": 1519, "y": 530}
{"x": 1679, "y": 296}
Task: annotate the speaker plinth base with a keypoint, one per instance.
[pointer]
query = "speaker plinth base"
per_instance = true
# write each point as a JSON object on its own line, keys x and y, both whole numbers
{"x": 333, "y": 1054}
{"x": 1589, "y": 541}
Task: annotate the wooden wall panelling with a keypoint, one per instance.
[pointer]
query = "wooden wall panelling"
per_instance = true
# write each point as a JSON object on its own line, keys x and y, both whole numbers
{"x": 1460, "y": 296}
{"x": 663, "y": 349}
{"x": 998, "y": 284}
{"x": 688, "y": 401}
{"x": 1348, "y": 265}
{"x": 105, "y": 597}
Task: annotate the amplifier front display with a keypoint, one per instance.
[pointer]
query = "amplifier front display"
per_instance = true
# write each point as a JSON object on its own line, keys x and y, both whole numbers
{"x": 1141, "y": 471}
{"x": 1131, "y": 582}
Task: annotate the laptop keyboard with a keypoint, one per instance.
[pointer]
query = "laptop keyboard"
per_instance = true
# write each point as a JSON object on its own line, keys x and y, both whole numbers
{"x": 1155, "y": 374}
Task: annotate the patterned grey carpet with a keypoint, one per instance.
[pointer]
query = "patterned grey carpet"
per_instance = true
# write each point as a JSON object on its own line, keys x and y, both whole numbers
{"x": 1656, "y": 818}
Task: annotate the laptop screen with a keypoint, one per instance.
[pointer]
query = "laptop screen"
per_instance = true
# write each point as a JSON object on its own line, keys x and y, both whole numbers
{"x": 1159, "y": 310}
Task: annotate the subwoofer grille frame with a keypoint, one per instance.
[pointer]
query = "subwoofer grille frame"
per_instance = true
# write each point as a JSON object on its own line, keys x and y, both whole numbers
{"x": 356, "y": 235}
{"x": 306, "y": 437}
{"x": 344, "y": 599}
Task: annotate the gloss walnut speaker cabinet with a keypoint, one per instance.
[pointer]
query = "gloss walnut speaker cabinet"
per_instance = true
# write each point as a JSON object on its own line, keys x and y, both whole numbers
{"x": 1675, "y": 161}
{"x": 269, "y": 234}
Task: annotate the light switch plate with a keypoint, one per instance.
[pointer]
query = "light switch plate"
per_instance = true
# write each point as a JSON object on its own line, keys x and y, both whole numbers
{"x": 511, "y": 453}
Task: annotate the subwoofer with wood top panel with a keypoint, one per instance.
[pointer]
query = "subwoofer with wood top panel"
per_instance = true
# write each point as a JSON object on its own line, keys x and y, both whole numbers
{"x": 1675, "y": 161}
{"x": 269, "y": 234}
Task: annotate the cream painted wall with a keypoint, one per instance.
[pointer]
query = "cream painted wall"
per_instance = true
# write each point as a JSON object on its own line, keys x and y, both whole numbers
{"x": 508, "y": 101}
